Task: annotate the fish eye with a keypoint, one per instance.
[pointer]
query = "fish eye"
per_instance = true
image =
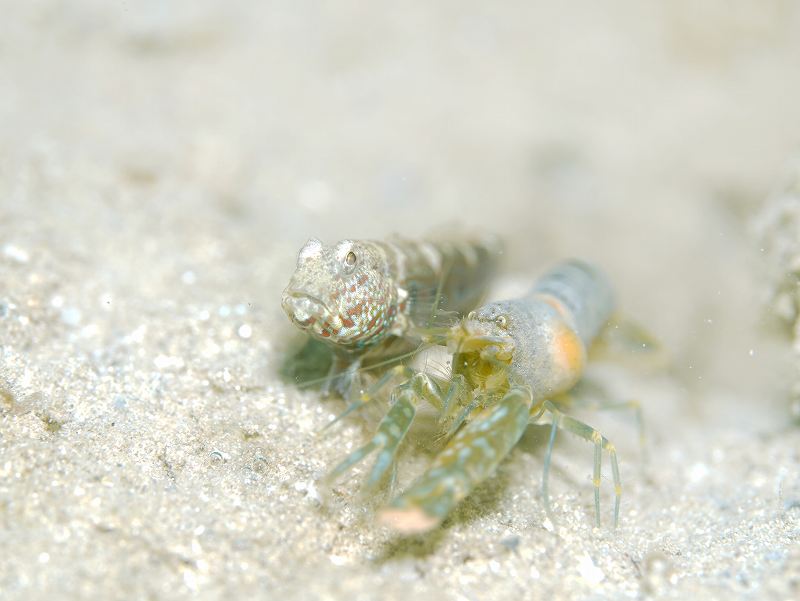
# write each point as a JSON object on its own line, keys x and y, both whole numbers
{"x": 350, "y": 259}
{"x": 501, "y": 320}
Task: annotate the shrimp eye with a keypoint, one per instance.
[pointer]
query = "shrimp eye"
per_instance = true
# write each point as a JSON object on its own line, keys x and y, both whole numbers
{"x": 501, "y": 321}
{"x": 350, "y": 259}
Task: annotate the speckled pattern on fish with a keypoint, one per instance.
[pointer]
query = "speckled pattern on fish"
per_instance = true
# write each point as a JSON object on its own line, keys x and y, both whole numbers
{"x": 356, "y": 293}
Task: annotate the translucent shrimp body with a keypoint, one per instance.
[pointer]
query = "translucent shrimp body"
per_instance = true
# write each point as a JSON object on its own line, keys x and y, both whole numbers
{"x": 539, "y": 340}
{"x": 514, "y": 355}
{"x": 510, "y": 359}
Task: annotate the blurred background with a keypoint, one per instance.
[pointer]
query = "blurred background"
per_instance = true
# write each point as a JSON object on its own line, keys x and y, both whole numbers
{"x": 165, "y": 161}
{"x": 641, "y": 137}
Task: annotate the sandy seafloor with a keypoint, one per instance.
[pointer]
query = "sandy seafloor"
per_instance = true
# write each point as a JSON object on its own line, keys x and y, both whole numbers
{"x": 162, "y": 163}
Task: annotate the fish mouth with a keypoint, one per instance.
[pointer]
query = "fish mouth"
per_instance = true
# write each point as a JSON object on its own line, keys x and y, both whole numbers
{"x": 303, "y": 309}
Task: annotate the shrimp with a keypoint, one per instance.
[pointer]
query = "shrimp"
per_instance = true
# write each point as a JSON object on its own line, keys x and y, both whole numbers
{"x": 358, "y": 295}
{"x": 510, "y": 362}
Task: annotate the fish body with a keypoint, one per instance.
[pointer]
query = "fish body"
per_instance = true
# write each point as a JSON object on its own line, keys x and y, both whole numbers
{"x": 356, "y": 294}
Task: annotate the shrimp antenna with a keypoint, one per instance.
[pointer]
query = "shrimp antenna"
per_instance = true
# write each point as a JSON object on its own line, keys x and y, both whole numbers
{"x": 392, "y": 360}
{"x": 438, "y": 296}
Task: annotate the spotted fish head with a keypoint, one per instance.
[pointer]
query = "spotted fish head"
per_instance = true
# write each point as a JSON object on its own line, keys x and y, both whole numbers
{"x": 342, "y": 294}
{"x": 483, "y": 346}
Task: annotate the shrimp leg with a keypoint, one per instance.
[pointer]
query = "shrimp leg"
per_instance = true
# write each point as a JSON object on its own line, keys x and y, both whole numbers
{"x": 395, "y": 425}
{"x": 635, "y": 407}
{"x": 398, "y": 371}
{"x": 600, "y": 400}
{"x": 570, "y": 424}
{"x": 467, "y": 460}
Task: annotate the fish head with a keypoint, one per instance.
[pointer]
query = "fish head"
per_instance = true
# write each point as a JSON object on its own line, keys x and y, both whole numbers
{"x": 342, "y": 294}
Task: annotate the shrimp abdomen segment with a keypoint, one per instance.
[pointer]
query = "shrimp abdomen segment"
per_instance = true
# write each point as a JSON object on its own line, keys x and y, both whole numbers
{"x": 580, "y": 293}
{"x": 554, "y": 325}
{"x": 467, "y": 460}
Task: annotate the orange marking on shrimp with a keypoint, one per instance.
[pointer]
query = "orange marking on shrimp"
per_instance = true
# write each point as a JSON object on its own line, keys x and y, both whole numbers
{"x": 412, "y": 520}
{"x": 557, "y": 305}
{"x": 568, "y": 351}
